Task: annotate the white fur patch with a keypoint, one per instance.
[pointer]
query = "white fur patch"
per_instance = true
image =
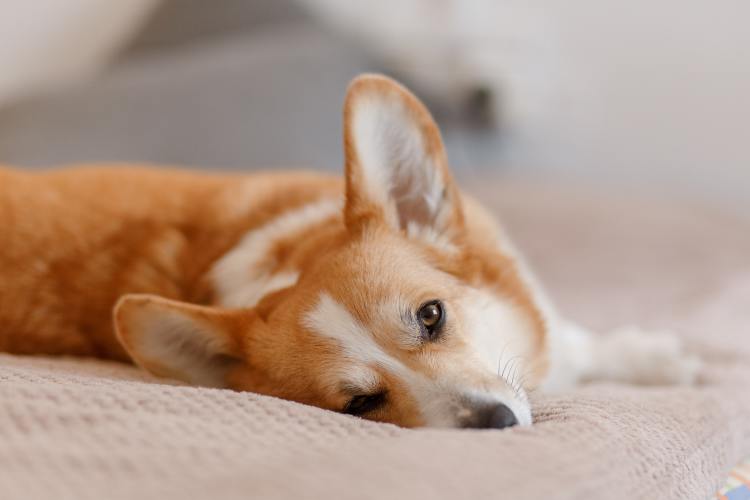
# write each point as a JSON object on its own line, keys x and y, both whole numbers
{"x": 500, "y": 333}
{"x": 332, "y": 320}
{"x": 240, "y": 278}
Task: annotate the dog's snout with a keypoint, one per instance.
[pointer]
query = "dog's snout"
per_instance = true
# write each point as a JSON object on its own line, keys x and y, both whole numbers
{"x": 494, "y": 416}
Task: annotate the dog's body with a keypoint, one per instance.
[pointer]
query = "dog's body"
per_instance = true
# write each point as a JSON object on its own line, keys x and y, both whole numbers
{"x": 76, "y": 240}
{"x": 388, "y": 295}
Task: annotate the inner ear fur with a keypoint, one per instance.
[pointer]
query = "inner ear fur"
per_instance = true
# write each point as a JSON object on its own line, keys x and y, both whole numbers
{"x": 395, "y": 163}
{"x": 192, "y": 343}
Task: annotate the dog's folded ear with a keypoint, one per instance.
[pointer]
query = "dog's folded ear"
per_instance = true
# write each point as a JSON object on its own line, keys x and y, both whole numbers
{"x": 195, "y": 344}
{"x": 396, "y": 167}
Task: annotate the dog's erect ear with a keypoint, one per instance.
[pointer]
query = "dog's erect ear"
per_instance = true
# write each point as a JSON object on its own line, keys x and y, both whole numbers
{"x": 195, "y": 344}
{"x": 396, "y": 167}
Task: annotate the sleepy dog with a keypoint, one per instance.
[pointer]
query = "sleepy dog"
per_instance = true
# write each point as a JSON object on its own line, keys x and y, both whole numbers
{"x": 388, "y": 294}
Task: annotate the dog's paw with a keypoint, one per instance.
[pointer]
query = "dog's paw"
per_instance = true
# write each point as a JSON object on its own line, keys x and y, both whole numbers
{"x": 648, "y": 358}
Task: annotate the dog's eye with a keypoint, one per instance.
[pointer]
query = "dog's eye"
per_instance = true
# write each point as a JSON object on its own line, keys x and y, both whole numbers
{"x": 431, "y": 316}
{"x": 364, "y": 403}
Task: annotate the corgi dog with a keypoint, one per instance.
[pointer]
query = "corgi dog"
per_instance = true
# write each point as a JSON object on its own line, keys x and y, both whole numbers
{"x": 388, "y": 294}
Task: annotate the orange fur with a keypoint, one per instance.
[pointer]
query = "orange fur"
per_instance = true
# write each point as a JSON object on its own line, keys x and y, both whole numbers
{"x": 76, "y": 239}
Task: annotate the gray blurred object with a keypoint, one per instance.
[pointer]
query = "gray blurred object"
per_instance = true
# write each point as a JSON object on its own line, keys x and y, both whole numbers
{"x": 244, "y": 84}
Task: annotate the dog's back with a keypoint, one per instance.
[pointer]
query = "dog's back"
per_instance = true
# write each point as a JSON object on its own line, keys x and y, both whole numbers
{"x": 74, "y": 240}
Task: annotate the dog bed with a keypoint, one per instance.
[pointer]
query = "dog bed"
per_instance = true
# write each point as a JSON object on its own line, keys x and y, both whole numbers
{"x": 86, "y": 429}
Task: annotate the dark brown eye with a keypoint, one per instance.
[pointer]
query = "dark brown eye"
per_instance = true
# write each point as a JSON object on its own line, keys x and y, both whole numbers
{"x": 364, "y": 403}
{"x": 431, "y": 317}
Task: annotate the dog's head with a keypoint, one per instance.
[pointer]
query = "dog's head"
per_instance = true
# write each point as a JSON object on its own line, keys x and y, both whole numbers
{"x": 408, "y": 313}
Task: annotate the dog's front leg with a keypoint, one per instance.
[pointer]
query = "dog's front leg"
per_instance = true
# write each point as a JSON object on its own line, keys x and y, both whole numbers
{"x": 628, "y": 355}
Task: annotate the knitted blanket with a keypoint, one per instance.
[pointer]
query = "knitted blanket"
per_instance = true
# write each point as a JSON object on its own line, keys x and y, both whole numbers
{"x": 85, "y": 429}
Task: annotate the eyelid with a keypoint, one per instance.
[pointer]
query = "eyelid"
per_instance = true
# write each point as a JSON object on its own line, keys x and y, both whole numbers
{"x": 351, "y": 390}
{"x": 360, "y": 380}
{"x": 373, "y": 401}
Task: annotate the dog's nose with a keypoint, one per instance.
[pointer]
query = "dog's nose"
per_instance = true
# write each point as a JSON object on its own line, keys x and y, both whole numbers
{"x": 496, "y": 416}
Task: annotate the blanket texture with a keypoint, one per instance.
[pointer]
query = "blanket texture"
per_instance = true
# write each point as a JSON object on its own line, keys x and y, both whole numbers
{"x": 84, "y": 429}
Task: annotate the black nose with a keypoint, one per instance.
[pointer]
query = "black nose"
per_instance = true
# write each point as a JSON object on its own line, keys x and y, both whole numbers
{"x": 497, "y": 416}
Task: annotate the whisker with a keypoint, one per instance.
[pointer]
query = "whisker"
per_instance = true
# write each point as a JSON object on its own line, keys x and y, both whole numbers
{"x": 514, "y": 367}
{"x": 505, "y": 368}
{"x": 500, "y": 359}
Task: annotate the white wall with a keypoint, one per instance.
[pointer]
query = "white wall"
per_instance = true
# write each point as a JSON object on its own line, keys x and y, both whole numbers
{"x": 649, "y": 93}
{"x": 48, "y": 42}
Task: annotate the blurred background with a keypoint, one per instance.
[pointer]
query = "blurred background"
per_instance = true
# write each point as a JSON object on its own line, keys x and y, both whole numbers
{"x": 644, "y": 96}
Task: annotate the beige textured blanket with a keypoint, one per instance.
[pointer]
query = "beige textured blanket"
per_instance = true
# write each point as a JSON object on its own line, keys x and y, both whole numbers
{"x": 89, "y": 430}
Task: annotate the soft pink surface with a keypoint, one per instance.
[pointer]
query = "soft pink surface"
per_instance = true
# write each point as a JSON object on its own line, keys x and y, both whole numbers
{"x": 85, "y": 429}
